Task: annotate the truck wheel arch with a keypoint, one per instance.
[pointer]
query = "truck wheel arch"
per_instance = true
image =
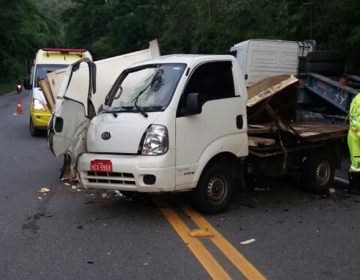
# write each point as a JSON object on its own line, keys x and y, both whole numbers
{"x": 223, "y": 158}
{"x": 213, "y": 192}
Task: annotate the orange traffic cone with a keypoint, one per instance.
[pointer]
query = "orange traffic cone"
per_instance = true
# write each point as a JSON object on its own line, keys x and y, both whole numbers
{"x": 19, "y": 109}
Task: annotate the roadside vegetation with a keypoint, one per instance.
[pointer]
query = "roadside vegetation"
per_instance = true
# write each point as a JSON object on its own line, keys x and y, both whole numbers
{"x": 6, "y": 87}
{"x": 113, "y": 27}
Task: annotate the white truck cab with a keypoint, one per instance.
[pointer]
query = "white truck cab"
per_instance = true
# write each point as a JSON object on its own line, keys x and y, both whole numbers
{"x": 174, "y": 123}
{"x": 262, "y": 58}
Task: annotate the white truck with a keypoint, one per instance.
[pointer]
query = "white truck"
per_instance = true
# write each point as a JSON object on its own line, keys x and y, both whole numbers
{"x": 180, "y": 123}
{"x": 262, "y": 58}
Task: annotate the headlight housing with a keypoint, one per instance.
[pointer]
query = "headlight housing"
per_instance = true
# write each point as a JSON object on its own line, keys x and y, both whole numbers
{"x": 156, "y": 141}
{"x": 38, "y": 105}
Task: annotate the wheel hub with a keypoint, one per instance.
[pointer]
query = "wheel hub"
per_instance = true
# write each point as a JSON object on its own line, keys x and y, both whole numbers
{"x": 323, "y": 172}
{"x": 217, "y": 188}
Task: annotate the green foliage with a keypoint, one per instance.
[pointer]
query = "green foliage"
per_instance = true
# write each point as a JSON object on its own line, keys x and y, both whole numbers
{"x": 7, "y": 86}
{"x": 22, "y": 31}
{"x": 113, "y": 27}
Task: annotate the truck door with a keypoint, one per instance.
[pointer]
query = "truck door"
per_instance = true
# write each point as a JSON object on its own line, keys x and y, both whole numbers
{"x": 216, "y": 129}
{"x": 73, "y": 111}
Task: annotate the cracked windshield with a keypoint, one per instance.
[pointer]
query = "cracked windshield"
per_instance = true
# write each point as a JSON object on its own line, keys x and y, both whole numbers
{"x": 148, "y": 89}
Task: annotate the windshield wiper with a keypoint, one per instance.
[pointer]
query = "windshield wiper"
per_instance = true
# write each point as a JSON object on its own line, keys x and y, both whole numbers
{"x": 154, "y": 108}
{"x": 141, "y": 110}
{"x": 128, "y": 109}
{"x": 138, "y": 108}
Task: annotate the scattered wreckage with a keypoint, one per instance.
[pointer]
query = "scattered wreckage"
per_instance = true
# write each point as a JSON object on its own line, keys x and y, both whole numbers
{"x": 187, "y": 123}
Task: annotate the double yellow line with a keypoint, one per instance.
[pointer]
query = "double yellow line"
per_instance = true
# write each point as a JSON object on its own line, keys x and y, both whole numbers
{"x": 207, "y": 260}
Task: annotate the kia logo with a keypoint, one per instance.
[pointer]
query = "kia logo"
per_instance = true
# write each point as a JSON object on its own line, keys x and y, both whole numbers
{"x": 106, "y": 135}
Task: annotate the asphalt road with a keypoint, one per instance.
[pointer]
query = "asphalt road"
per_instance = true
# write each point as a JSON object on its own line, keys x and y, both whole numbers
{"x": 76, "y": 234}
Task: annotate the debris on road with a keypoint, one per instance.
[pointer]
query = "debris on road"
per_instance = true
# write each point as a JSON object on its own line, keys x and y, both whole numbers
{"x": 44, "y": 190}
{"x": 200, "y": 233}
{"x": 246, "y": 242}
{"x": 118, "y": 194}
{"x": 104, "y": 195}
{"x": 332, "y": 190}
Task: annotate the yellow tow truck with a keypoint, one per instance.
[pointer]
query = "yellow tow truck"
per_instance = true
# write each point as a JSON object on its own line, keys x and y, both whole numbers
{"x": 47, "y": 60}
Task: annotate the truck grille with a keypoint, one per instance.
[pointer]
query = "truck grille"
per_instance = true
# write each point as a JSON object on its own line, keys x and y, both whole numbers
{"x": 110, "y": 178}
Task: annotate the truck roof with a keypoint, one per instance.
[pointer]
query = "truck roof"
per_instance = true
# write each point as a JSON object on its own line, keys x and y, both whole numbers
{"x": 60, "y": 56}
{"x": 269, "y": 41}
{"x": 189, "y": 59}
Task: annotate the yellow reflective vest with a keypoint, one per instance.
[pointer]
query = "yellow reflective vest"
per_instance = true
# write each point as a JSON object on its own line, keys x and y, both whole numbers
{"x": 354, "y": 115}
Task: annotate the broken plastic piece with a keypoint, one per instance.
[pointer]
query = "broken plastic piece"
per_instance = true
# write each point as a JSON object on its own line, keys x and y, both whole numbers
{"x": 44, "y": 190}
{"x": 118, "y": 194}
{"x": 246, "y": 242}
{"x": 200, "y": 233}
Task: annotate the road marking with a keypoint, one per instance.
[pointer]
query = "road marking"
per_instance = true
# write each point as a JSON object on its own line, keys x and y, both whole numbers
{"x": 242, "y": 264}
{"x": 210, "y": 264}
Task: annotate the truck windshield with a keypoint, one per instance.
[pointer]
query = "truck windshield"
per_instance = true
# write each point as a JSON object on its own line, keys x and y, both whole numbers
{"x": 43, "y": 69}
{"x": 147, "y": 89}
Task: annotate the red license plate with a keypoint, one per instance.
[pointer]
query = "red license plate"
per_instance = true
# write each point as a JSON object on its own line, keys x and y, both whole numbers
{"x": 101, "y": 166}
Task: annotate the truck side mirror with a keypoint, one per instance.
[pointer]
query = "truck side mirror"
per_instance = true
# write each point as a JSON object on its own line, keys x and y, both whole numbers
{"x": 192, "y": 104}
{"x": 27, "y": 84}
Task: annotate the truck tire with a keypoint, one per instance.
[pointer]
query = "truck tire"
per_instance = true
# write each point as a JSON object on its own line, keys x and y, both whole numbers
{"x": 325, "y": 56}
{"x": 318, "y": 173}
{"x": 326, "y": 68}
{"x": 214, "y": 190}
{"x": 34, "y": 131}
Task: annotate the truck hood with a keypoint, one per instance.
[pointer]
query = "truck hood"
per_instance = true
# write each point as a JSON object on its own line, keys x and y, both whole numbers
{"x": 122, "y": 134}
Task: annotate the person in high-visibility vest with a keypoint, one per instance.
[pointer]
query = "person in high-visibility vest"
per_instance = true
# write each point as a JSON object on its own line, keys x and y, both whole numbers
{"x": 354, "y": 145}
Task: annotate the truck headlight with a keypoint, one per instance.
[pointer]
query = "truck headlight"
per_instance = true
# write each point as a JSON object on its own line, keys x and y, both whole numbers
{"x": 38, "y": 105}
{"x": 156, "y": 141}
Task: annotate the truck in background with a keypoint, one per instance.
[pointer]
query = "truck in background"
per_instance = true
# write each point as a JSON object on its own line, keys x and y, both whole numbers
{"x": 180, "y": 123}
{"x": 260, "y": 58}
{"x": 321, "y": 94}
{"x": 47, "y": 60}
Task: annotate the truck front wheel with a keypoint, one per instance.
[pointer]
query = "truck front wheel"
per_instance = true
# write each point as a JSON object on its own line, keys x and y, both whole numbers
{"x": 318, "y": 173}
{"x": 214, "y": 190}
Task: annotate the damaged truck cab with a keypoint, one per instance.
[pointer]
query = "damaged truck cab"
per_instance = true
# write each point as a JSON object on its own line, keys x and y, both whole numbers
{"x": 175, "y": 123}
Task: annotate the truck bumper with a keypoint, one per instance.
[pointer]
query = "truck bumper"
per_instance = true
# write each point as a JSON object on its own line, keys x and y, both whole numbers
{"x": 128, "y": 174}
{"x": 40, "y": 119}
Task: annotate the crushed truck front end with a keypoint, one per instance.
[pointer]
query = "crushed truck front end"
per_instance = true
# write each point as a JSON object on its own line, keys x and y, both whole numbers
{"x": 176, "y": 123}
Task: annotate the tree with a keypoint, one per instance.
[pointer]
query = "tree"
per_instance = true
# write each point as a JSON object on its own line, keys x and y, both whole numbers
{"x": 22, "y": 31}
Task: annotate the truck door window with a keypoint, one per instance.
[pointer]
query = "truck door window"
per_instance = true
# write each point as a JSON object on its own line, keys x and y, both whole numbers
{"x": 213, "y": 81}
